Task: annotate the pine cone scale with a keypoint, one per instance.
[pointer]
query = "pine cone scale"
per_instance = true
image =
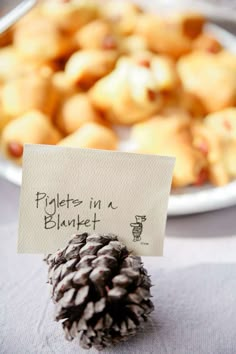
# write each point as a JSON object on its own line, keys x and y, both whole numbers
{"x": 81, "y": 295}
{"x": 100, "y": 290}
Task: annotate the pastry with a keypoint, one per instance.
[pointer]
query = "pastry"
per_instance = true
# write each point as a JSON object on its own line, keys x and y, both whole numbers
{"x": 217, "y": 136}
{"x": 93, "y": 136}
{"x": 6, "y": 38}
{"x": 31, "y": 128}
{"x": 40, "y": 38}
{"x": 4, "y": 119}
{"x": 208, "y": 43}
{"x": 79, "y": 66}
{"x": 189, "y": 24}
{"x": 75, "y": 111}
{"x": 228, "y": 59}
{"x": 128, "y": 95}
{"x": 170, "y": 136}
{"x": 70, "y": 15}
{"x": 162, "y": 38}
{"x": 181, "y": 101}
{"x": 212, "y": 81}
{"x": 85, "y": 67}
{"x": 223, "y": 123}
{"x": 63, "y": 85}
{"x": 162, "y": 68}
{"x": 122, "y": 14}
{"x": 97, "y": 34}
{"x": 165, "y": 73}
{"x": 33, "y": 90}
{"x": 142, "y": 58}
{"x": 230, "y": 159}
{"x": 210, "y": 145}
{"x": 12, "y": 64}
{"x": 133, "y": 44}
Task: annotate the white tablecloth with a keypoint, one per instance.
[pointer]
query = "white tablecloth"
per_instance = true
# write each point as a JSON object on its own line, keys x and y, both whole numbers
{"x": 194, "y": 290}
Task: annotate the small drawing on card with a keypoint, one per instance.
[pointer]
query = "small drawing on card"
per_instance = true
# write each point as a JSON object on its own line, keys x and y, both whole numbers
{"x": 137, "y": 227}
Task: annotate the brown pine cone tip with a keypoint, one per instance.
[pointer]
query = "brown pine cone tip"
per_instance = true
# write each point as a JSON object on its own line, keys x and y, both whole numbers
{"x": 101, "y": 291}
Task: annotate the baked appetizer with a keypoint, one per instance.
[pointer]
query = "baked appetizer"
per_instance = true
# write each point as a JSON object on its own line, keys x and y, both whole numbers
{"x": 223, "y": 124}
{"x": 133, "y": 44}
{"x": 206, "y": 42}
{"x": 216, "y": 137}
{"x": 128, "y": 95}
{"x": 34, "y": 90}
{"x": 40, "y": 38}
{"x": 122, "y": 14}
{"x": 209, "y": 78}
{"x": 75, "y": 111}
{"x": 70, "y": 15}
{"x": 6, "y": 37}
{"x": 12, "y": 64}
{"x": 171, "y": 136}
{"x": 63, "y": 86}
{"x": 210, "y": 145}
{"x": 85, "y": 67}
{"x": 33, "y": 127}
{"x": 73, "y": 71}
{"x": 97, "y": 34}
{"x": 4, "y": 119}
{"x": 92, "y": 136}
{"x": 189, "y": 24}
{"x": 162, "y": 37}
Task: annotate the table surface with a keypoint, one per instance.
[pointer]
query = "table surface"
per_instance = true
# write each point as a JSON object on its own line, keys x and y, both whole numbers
{"x": 194, "y": 290}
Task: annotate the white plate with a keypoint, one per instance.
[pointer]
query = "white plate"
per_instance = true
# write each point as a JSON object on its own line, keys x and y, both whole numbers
{"x": 182, "y": 201}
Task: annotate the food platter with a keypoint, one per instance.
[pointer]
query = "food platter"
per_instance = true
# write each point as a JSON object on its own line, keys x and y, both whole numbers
{"x": 182, "y": 201}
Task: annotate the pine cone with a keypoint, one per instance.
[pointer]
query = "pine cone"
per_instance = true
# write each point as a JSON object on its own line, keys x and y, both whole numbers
{"x": 99, "y": 289}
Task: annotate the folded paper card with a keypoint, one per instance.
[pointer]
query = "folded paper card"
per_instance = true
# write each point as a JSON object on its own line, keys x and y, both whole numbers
{"x": 67, "y": 190}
